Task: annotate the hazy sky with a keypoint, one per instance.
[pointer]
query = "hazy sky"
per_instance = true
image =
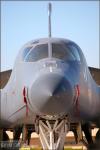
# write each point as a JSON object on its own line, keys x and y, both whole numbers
{"x": 22, "y": 21}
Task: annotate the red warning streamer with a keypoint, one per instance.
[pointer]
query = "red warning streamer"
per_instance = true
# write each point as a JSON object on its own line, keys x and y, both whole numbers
{"x": 25, "y": 100}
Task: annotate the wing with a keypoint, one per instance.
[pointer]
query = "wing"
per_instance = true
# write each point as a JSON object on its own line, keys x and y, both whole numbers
{"x": 4, "y": 77}
{"x": 95, "y": 74}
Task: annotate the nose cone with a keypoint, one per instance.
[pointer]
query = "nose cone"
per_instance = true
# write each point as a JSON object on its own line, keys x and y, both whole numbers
{"x": 51, "y": 94}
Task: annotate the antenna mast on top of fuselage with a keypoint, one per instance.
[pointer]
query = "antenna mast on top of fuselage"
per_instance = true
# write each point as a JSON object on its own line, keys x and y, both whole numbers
{"x": 49, "y": 30}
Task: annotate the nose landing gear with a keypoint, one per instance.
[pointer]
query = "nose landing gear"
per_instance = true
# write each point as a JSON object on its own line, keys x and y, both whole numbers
{"x": 52, "y": 133}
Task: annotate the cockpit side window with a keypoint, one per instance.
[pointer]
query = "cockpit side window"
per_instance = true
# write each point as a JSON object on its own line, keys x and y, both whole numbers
{"x": 74, "y": 50}
{"x": 26, "y": 51}
{"x": 37, "y": 53}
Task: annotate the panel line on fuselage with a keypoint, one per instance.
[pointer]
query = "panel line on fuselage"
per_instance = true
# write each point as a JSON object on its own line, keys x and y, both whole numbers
{"x": 19, "y": 110}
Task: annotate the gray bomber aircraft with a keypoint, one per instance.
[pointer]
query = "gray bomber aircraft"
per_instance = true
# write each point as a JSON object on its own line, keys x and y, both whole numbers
{"x": 50, "y": 91}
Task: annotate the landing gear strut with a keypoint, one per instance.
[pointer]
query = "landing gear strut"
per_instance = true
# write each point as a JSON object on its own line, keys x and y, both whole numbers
{"x": 52, "y": 133}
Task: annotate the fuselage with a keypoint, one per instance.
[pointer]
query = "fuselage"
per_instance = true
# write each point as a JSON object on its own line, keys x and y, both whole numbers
{"x": 49, "y": 86}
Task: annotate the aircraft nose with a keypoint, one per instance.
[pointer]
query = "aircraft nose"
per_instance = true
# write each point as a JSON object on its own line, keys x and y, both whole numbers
{"x": 51, "y": 94}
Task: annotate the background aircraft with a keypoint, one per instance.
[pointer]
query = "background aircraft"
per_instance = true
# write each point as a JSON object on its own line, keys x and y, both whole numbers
{"x": 50, "y": 91}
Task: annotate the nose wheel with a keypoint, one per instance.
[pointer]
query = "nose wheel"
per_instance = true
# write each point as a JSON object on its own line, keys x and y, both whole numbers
{"x": 52, "y": 133}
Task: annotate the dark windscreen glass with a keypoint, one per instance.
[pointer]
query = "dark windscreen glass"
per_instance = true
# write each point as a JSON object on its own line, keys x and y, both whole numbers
{"x": 37, "y": 53}
{"x": 61, "y": 51}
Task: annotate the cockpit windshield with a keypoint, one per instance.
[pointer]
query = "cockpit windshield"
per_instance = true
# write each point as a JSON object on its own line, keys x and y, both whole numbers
{"x": 61, "y": 51}
{"x": 64, "y": 52}
{"x": 37, "y": 53}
